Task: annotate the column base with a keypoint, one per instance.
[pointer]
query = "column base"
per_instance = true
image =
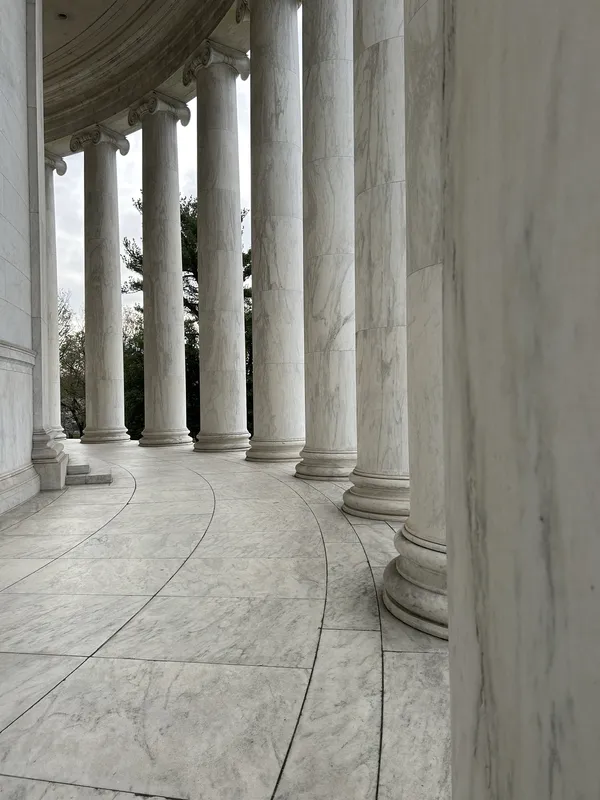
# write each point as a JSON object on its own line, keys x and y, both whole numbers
{"x": 103, "y": 436}
{"x": 377, "y": 497}
{"x": 165, "y": 438}
{"x": 210, "y": 443}
{"x": 59, "y": 433}
{"x": 325, "y": 465}
{"x": 49, "y": 459}
{"x": 415, "y": 587}
{"x": 262, "y": 450}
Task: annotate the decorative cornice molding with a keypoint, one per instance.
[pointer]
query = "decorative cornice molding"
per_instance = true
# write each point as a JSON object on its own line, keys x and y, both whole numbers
{"x": 242, "y": 11}
{"x": 55, "y": 162}
{"x": 211, "y": 53}
{"x": 99, "y": 135}
{"x": 155, "y": 102}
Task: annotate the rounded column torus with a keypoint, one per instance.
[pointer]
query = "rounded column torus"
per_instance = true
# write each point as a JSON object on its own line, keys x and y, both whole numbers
{"x": 53, "y": 163}
{"x": 415, "y": 581}
{"x": 164, "y": 343}
{"x": 223, "y": 419}
{"x": 328, "y": 164}
{"x": 277, "y": 307}
{"x": 380, "y": 478}
{"x": 104, "y": 386}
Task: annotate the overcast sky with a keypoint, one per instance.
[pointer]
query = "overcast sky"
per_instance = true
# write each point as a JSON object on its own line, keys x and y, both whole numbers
{"x": 69, "y": 195}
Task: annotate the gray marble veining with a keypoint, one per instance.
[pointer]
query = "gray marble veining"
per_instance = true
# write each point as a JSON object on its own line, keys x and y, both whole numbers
{"x": 261, "y": 544}
{"x": 415, "y": 754}
{"x": 161, "y": 728}
{"x": 261, "y": 515}
{"x": 25, "y": 678}
{"x": 249, "y": 577}
{"x": 266, "y": 631}
{"x": 13, "y": 569}
{"x": 351, "y": 597}
{"x": 59, "y": 624}
{"x": 108, "y": 544}
{"x": 335, "y": 751}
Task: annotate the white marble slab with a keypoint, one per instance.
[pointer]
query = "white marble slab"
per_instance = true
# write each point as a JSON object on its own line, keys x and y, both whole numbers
{"x": 24, "y": 678}
{"x": 334, "y": 525}
{"x": 261, "y": 544}
{"x": 415, "y": 754}
{"x": 62, "y": 625}
{"x": 24, "y": 789}
{"x": 161, "y": 728}
{"x": 125, "y": 576}
{"x": 351, "y": 597}
{"x": 261, "y": 515}
{"x": 249, "y": 577}
{"x": 335, "y": 752}
{"x": 37, "y": 546}
{"x": 137, "y": 519}
{"x": 108, "y": 544}
{"x": 267, "y": 631}
{"x": 41, "y": 524}
{"x": 13, "y": 569}
{"x": 378, "y": 540}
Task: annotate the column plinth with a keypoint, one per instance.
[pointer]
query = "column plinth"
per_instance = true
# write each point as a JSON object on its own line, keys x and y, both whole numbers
{"x": 381, "y": 481}
{"x": 223, "y": 421}
{"x": 104, "y": 387}
{"x": 277, "y": 281}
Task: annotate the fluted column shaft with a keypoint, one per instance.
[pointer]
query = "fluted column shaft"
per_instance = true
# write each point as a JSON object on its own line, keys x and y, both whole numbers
{"x": 223, "y": 422}
{"x": 415, "y": 582}
{"x": 328, "y": 175}
{"x": 164, "y": 345}
{"x": 52, "y": 163}
{"x": 277, "y": 310}
{"x": 104, "y": 385}
{"x": 522, "y": 397}
{"x": 381, "y": 475}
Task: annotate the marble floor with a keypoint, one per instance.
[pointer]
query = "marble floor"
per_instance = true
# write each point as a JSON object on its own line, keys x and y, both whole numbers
{"x": 212, "y": 629}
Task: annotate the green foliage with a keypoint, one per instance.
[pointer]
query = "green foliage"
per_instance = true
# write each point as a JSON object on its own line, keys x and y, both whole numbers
{"x": 72, "y": 367}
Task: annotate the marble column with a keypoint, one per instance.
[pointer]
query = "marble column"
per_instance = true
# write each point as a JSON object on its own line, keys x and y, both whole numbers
{"x": 104, "y": 399}
{"x": 223, "y": 422}
{"x": 53, "y": 163}
{"x": 328, "y": 171}
{"x": 522, "y": 396}
{"x": 164, "y": 341}
{"x": 47, "y": 453}
{"x": 277, "y": 308}
{"x": 415, "y": 582}
{"x": 380, "y": 479}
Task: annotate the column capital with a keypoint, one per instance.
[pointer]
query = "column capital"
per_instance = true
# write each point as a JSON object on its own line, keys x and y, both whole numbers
{"x": 98, "y": 134}
{"x": 155, "y": 102}
{"x": 242, "y": 11}
{"x": 55, "y": 162}
{"x": 211, "y": 53}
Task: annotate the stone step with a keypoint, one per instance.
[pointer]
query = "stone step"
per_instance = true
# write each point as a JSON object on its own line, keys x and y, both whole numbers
{"x": 76, "y": 468}
{"x": 91, "y": 478}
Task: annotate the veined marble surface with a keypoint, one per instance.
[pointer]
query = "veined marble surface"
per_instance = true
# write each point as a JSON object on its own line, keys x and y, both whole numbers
{"x": 228, "y": 653}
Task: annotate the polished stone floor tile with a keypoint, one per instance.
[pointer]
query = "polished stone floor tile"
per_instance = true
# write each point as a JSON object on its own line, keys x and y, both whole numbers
{"x": 108, "y": 544}
{"x": 378, "y": 540}
{"x": 261, "y": 544}
{"x": 248, "y": 487}
{"x": 261, "y": 515}
{"x": 335, "y": 752}
{"x": 267, "y": 631}
{"x": 41, "y": 524}
{"x": 13, "y": 569}
{"x": 138, "y": 519}
{"x": 26, "y": 678}
{"x": 334, "y": 525}
{"x": 11, "y": 518}
{"x": 249, "y": 577}
{"x": 37, "y": 546}
{"x": 25, "y": 789}
{"x": 125, "y": 576}
{"x": 100, "y": 497}
{"x": 202, "y": 499}
{"x": 351, "y": 596}
{"x": 100, "y": 513}
{"x": 303, "y": 489}
{"x": 415, "y": 756}
{"x": 73, "y": 625}
{"x": 181, "y": 730}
